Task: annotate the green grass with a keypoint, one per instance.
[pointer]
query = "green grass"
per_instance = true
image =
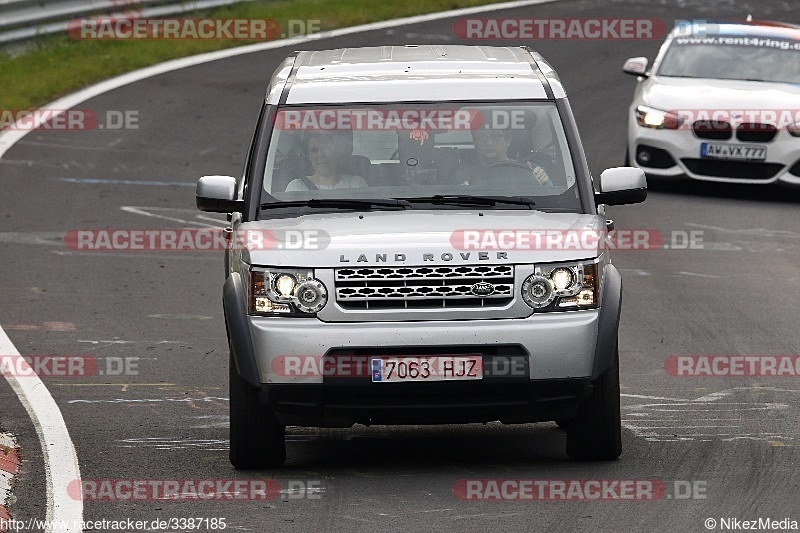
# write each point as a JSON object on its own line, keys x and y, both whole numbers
{"x": 57, "y": 65}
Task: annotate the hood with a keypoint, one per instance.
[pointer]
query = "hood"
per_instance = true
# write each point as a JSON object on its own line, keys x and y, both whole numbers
{"x": 667, "y": 93}
{"x": 417, "y": 237}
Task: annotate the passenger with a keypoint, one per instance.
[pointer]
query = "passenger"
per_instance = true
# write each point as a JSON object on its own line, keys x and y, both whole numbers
{"x": 329, "y": 153}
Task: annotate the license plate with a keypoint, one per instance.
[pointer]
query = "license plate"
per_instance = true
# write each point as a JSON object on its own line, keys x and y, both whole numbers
{"x": 434, "y": 368}
{"x": 739, "y": 152}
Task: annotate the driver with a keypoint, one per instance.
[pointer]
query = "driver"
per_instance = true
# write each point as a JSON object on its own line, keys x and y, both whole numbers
{"x": 491, "y": 146}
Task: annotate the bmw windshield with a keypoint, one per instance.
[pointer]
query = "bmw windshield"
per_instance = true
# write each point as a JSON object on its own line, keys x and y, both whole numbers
{"x": 729, "y": 57}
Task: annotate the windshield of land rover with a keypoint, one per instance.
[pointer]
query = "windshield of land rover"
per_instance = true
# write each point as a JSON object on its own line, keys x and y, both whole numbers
{"x": 421, "y": 151}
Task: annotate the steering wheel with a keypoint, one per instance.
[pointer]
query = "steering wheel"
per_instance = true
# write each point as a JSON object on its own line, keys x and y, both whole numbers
{"x": 537, "y": 170}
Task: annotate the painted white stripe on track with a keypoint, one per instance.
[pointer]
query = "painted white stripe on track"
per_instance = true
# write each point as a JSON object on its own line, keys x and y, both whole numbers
{"x": 9, "y": 137}
{"x": 60, "y": 460}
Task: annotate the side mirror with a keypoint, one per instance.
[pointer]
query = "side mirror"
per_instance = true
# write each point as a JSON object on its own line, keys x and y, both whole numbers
{"x": 217, "y": 194}
{"x": 622, "y": 185}
{"x": 636, "y": 66}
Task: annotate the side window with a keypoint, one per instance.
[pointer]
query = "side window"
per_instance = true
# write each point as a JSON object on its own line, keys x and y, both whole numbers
{"x": 288, "y": 161}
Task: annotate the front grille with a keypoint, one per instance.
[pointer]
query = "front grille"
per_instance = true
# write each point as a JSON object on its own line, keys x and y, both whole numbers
{"x": 422, "y": 287}
{"x": 716, "y": 130}
{"x": 732, "y": 169}
{"x": 755, "y": 132}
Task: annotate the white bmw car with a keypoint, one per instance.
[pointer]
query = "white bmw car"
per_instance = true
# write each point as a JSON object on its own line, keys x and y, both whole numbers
{"x": 720, "y": 103}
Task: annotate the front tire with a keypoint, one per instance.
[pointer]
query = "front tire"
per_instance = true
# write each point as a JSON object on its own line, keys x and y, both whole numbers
{"x": 595, "y": 434}
{"x": 257, "y": 439}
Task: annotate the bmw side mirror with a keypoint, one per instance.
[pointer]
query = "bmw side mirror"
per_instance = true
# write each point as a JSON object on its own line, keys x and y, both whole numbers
{"x": 637, "y": 66}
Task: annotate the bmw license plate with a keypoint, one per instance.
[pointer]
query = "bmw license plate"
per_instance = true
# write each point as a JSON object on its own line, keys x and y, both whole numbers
{"x": 434, "y": 368}
{"x": 738, "y": 152}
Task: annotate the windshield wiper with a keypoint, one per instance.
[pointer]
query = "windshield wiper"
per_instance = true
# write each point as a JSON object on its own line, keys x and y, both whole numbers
{"x": 342, "y": 203}
{"x": 468, "y": 199}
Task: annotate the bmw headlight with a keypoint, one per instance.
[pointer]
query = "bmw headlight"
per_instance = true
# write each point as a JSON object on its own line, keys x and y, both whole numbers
{"x": 650, "y": 117}
{"x": 285, "y": 292}
{"x": 563, "y": 286}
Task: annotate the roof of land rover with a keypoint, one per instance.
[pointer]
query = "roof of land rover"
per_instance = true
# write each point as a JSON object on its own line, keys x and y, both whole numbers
{"x": 414, "y": 73}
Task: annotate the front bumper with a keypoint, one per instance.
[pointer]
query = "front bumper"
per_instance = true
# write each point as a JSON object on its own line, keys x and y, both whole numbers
{"x": 555, "y": 345}
{"x": 682, "y": 157}
{"x": 537, "y": 368}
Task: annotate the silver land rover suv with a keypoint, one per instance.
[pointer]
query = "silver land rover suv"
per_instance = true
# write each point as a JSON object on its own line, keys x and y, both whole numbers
{"x": 417, "y": 239}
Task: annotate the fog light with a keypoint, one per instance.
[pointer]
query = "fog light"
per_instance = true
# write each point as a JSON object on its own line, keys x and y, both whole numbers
{"x": 643, "y": 157}
{"x": 311, "y": 296}
{"x": 537, "y": 291}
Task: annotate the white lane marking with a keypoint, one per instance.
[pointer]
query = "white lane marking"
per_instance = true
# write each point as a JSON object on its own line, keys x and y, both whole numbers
{"x": 726, "y": 426}
{"x": 640, "y": 396}
{"x": 212, "y": 422}
{"x": 714, "y": 396}
{"x": 60, "y": 460}
{"x": 662, "y": 422}
{"x": 94, "y": 181}
{"x": 694, "y": 419}
{"x": 11, "y": 136}
{"x": 51, "y": 238}
{"x": 175, "y": 444}
{"x": 697, "y": 275}
{"x": 129, "y": 342}
{"x": 154, "y": 400}
{"x": 755, "y": 232}
{"x": 143, "y": 211}
{"x": 727, "y": 406}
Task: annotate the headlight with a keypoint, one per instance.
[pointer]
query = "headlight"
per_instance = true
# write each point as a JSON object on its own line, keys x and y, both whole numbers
{"x": 794, "y": 129}
{"x": 285, "y": 292}
{"x": 650, "y": 117}
{"x": 563, "y": 287}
